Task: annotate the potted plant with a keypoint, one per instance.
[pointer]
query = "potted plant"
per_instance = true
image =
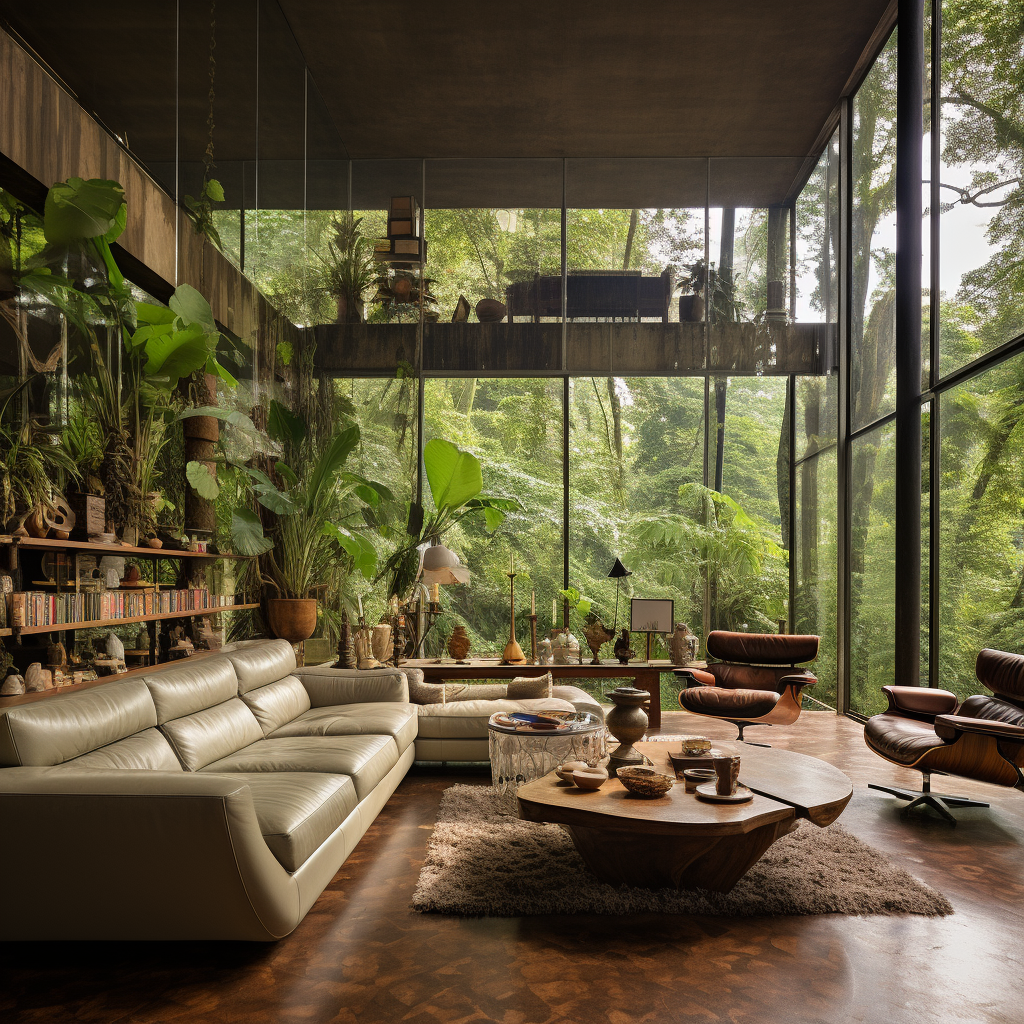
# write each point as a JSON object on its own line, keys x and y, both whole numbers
{"x": 32, "y": 461}
{"x": 350, "y": 268}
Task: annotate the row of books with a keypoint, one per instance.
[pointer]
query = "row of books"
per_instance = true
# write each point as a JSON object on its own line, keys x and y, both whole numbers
{"x": 39, "y": 608}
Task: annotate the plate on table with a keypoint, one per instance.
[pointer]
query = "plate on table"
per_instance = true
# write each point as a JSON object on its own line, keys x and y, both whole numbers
{"x": 709, "y": 791}
{"x": 526, "y": 720}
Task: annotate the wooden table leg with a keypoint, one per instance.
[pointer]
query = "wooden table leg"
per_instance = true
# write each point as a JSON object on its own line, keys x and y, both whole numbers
{"x": 650, "y": 680}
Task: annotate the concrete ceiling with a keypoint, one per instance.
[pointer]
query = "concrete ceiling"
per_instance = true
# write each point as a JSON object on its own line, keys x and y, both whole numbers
{"x": 494, "y": 95}
{"x": 581, "y": 78}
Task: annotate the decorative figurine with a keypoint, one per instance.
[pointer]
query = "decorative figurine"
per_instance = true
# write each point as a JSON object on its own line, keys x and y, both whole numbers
{"x": 142, "y": 639}
{"x": 597, "y": 634}
{"x": 112, "y": 569}
{"x": 346, "y": 652}
{"x": 13, "y": 684}
{"x": 56, "y": 655}
{"x": 364, "y": 650}
{"x": 37, "y": 679}
{"x": 458, "y": 644}
{"x": 380, "y": 642}
{"x": 115, "y": 649}
{"x": 544, "y": 656}
{"x": 622, "y": 649}
{"x": 682, "y": 645}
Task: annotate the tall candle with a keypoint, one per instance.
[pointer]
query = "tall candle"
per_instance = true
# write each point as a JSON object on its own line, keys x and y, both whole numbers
{"x": 360, "y": 600}
{"x": 533, "y": 602}
{"x": 435, "y": 592}
{"x": 554, "y": 612}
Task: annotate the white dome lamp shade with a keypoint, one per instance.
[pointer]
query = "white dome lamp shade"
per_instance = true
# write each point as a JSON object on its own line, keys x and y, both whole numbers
{"x": 442, "y": 565}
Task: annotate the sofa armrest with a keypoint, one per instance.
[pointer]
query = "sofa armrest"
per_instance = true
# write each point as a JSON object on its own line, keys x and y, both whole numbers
{"x": 798, "y": 680}
{"x": 143, "y": 855}
{"x": 919, "y": 701}
{"x": 949, "y": 727}
{"x": 695, "y": 677}
{"x": 328, "y": 686}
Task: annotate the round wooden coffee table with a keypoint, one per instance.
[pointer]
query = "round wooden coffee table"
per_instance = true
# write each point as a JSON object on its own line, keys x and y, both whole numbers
{"x": 679, "y": 841}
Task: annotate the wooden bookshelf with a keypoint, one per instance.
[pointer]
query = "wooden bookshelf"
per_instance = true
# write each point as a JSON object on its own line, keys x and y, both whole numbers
{"x": 196, "y": 613}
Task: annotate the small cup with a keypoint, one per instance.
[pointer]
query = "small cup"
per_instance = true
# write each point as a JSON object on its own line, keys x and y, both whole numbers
{"x": 728, "y": 772}
{"x": 694, "y": 777}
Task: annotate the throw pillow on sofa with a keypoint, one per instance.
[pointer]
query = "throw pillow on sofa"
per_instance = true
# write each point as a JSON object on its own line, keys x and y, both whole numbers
{"x": 530, "y": 687}
{"x": 433, "y": 693}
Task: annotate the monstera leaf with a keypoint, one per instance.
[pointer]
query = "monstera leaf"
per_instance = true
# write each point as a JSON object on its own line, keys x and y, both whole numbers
{"x": 247, "y": 533}
{"x": 80, "y": 209}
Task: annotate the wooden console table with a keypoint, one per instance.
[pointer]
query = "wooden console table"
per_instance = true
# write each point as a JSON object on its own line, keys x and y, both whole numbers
{"x": 646, "y": 675}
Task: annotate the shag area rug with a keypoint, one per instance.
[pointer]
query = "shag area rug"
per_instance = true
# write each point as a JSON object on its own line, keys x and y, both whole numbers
{"x": 482, "y": 861}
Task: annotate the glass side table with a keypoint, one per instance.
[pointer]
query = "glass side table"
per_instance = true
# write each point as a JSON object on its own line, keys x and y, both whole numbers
{"x": 519, "y": 756}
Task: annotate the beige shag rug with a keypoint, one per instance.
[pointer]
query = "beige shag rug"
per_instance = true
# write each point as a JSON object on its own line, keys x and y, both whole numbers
{"x": 484, "y": 862}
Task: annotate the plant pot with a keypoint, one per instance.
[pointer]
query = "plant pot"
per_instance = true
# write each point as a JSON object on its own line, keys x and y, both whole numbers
{"x": 292, "y": 619}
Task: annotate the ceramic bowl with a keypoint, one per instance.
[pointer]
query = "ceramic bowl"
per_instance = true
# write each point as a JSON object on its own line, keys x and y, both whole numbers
{"x": 694, "y": 777}
{"x": 693, "y": 746}
{"x": 645, "y": 782}
{"x": 590, "y": 778}
{"x": 564, "y": 771}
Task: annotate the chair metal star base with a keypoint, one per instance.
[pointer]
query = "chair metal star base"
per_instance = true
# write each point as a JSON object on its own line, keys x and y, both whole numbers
{"x": 742, "y": 725}
{"x": 924, "y": 797}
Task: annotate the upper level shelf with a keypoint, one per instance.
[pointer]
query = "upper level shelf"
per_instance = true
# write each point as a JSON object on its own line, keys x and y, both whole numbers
{"x": 47, "y": 544}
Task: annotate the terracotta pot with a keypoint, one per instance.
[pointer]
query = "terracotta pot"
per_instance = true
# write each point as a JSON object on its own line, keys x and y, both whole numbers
{"x": 490, "y": 311}
{"x": 292, "y": 619}
{"x": 458, "y": 643}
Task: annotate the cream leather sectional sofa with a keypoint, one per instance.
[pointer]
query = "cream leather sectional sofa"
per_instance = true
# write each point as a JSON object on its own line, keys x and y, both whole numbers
{"x": 214, "y": 800}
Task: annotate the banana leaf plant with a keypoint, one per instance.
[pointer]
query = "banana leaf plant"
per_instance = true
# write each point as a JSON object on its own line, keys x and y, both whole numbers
{"x": 455, "y": 478}
{"x": 321, "y": 531}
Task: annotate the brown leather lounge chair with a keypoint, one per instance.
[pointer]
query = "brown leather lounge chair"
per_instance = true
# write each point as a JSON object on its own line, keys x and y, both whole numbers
{"x": 755, "y": 682}
{"x": 981, "y": 739}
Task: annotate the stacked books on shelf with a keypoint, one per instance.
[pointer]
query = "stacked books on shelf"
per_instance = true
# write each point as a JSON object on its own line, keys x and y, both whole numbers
{"x": 405, "y": 242}
{"x": 39, "y": 608}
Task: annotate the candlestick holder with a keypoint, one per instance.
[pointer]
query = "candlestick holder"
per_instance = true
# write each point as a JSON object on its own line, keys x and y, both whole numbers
{"x": 533, "y": 638}
{"x": 513, "y": 654}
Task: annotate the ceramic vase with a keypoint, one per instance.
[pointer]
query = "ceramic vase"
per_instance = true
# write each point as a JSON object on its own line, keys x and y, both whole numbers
{"x": 458, "y": 644}
{"x": 627, "y": 722}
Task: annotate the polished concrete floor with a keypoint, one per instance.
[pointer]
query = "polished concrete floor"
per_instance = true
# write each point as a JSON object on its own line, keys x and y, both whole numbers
{"x": 362, "y": 956}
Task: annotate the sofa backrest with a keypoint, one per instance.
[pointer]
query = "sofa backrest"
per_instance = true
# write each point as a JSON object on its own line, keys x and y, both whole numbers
{"x": 64, "y": 727}
{"x": 200, "y": 713}
{"x": 266, "y": 684}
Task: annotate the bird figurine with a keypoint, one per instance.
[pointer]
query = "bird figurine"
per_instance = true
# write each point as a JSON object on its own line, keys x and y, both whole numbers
{"x": 622, "y": 649}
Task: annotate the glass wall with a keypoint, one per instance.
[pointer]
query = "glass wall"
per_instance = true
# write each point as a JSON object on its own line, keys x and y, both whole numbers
{"x": 873, "y": 237}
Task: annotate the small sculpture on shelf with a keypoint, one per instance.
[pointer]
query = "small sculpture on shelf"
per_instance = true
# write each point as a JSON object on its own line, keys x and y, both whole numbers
{"x": 565, "y": 648}
{"x": 544, "y": 656}
{"x": 346, "y": 651}
{"x": 37, "y": 679}
{"x": 683, "y": 645}
{"x": 13, "y": 684}
{"x": 597, "y": 634}
{"x": 112, "y": 569}
{"x": 380, "y": 642}
{"x": 364, "y": 649}
{"x": 622, "y": 649}
{"x": 458, "y": 644}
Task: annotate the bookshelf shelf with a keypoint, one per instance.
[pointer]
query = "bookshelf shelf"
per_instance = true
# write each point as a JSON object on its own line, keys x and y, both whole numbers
{"x": 46, "y": 544}
{"x": 60, "y": 627}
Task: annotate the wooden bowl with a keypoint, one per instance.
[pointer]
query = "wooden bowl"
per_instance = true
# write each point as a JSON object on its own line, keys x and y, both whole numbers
{"x": 564, "y": 771}
{"x": 490, "y": 311}
{"x": 643, "y": 781}
{"x": 590, "y": 778}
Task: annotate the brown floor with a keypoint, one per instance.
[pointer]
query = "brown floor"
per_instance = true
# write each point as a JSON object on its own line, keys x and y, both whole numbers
{"x": 362, "y": 956}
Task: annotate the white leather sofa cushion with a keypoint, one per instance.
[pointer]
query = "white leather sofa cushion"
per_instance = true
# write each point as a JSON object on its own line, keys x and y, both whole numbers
{"x": 297, "y": 811}
{"x": 182, "y": 691}
{"x": 212, "y": 733}
{"x": 328, "y": 686}
{"x": 365, "y": 759}
{"x": 261, "y": 664}
{"x": 147, "y": 749}
{"x": 277, "y": 703}
{"x": 55, "y": 730}
{"x": 467, "y": 719}
{"x": 396, "y": 720}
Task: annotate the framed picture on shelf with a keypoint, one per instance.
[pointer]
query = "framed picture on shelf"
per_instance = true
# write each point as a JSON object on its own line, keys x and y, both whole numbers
{"x": 648, "y": 615}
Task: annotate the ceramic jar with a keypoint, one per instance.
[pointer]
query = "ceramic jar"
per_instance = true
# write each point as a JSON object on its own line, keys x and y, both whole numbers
{"x": 458, "y": 643}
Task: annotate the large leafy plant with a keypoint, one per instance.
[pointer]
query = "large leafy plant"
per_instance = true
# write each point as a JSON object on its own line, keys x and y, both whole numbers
{"x": 31, "y": 462}
{"x": 138, "y": 352}
{"x": 455, "y": 478}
